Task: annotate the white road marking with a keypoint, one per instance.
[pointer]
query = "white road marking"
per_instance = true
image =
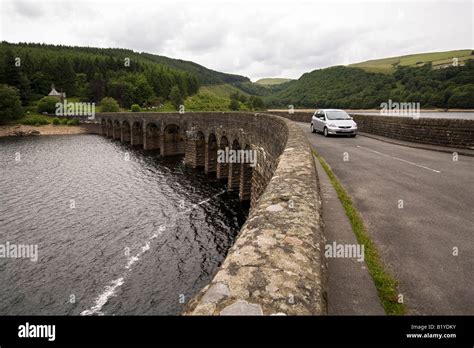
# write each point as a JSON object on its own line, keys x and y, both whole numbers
{"x": 400, "y": 159}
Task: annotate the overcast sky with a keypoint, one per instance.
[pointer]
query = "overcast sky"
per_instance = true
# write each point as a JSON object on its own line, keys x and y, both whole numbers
{"x": 252, "y": 38}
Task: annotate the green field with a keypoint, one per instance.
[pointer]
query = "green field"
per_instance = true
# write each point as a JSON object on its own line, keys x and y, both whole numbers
{"x": 272, "y": 81}
{"x": 206, "y": 101}
{"x": 387, "y": 65}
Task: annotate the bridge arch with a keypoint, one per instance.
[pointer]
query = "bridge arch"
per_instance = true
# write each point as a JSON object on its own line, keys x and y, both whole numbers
{"x": 151, "y": 140}
{"x": 109, "y": 132}
{"x": 116, "y": 130}
{"x": 222, "y": 167}
{"x": 210, "y": 158}
{"x": 103, "y": 127}
{"x": 246, "y": 170}
{"x": 126, "y": 132}
{"x": 172, "y": 140}
{"x": 137, "y": 134}
{"x": 233, "y": 182}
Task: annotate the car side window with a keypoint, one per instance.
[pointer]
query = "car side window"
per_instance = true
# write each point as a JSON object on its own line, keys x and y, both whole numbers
{"x": 321, "y": 115}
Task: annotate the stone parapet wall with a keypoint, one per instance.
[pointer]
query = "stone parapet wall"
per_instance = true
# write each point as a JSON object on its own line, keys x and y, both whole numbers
{"x": 434, "y": 131}
{"x": 276, "y": 265}
{"x": 449, "y": 132}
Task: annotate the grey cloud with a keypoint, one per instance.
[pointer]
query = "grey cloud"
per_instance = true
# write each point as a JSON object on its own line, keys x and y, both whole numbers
{"x": 255, "y": 39}
{"x": 28, "y": 9}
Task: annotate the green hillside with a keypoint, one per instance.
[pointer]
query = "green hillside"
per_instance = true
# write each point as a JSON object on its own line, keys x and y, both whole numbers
{"x": 90, "y": 74}
{"x": 222, "y": 90}
{"x": 272, "y": 81}
{"x": 389, "y": 65}
{"x": 206, "y": 76}
{"x": 355, "y": 88}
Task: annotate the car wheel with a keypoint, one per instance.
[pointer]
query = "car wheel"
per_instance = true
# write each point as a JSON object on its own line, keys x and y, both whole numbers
{"x": 325, "y": 132}
{"x": 312, "y": 129}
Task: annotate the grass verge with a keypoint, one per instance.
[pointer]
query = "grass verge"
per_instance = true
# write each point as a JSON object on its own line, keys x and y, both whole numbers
{"x": 385, "y": 283}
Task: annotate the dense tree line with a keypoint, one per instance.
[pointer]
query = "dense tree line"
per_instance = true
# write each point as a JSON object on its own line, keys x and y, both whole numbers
{"x": 206, "y": 76}
{"x": 90, "y": 73}
{"x": 240, "y": 101}
{"x": 354, "y": 88}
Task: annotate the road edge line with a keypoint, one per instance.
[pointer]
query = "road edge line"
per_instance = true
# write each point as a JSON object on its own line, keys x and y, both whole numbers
{"x": 385, "y": 283}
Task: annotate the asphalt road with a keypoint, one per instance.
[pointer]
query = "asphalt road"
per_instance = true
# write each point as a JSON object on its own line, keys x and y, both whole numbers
{"x": 418, "y": 206}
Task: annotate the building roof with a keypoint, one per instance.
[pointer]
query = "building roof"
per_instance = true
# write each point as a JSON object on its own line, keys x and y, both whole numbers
{"x": 55, "y": 93}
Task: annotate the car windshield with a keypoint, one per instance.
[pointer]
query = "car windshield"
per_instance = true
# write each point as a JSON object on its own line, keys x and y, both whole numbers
{"x": 337, "y": 115}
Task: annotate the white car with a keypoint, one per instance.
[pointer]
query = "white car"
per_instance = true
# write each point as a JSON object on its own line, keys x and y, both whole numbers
{"x": 333, "y": 121}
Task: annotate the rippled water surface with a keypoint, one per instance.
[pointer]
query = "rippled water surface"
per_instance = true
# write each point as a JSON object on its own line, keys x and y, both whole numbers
{"x": 114, "y": 236}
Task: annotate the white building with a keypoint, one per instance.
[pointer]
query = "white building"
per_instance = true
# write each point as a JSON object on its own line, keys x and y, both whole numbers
{"x": 55, "y": 93}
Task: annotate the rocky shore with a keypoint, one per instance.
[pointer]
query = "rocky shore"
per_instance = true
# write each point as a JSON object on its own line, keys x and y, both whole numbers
{"x": 23, "y": 130}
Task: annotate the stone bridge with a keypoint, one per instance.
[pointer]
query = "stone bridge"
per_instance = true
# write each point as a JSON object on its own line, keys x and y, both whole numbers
{"x": 276, "y": 265}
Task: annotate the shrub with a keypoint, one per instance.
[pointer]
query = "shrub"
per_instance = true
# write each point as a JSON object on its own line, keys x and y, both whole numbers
{"x": 73, "y": 122}
{"x": 64, "y": 121}
{"x": 136, "y": 108}
{"x": 35, "y": 120}
{"x": 109, "y": 104}
{"x": 234, "y": 105}
{"x": 56, "y": 121}
{"x": 10, "y": 104}
{"x": 47, "y": 104}
{"x": 204, "y": 101}
{"x": 176, "y": 97}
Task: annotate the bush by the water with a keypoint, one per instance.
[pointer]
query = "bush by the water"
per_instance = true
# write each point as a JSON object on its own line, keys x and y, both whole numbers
{"x": 109, "y": 104}
{"x": 56, "y": 121}
{"x": 47, "y": 104}
{"x": 136, "y": 108}
{"x": 10, "y": 104}
{"x": 73, "y": 122}
{"x": 35, "y": 120}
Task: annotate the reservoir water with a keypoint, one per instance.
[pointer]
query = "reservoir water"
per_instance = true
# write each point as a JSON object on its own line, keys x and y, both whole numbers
{"x": 118, "y": 231}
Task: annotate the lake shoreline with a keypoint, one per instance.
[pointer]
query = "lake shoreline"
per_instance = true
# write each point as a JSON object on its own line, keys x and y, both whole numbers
{"x": 18, "y": 130}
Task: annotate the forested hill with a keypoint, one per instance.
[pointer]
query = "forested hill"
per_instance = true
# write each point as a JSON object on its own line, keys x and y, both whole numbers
{"x": 355, "y": 88}
{"x": 206, "y": 76}
{"x": 93, "y": 73}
